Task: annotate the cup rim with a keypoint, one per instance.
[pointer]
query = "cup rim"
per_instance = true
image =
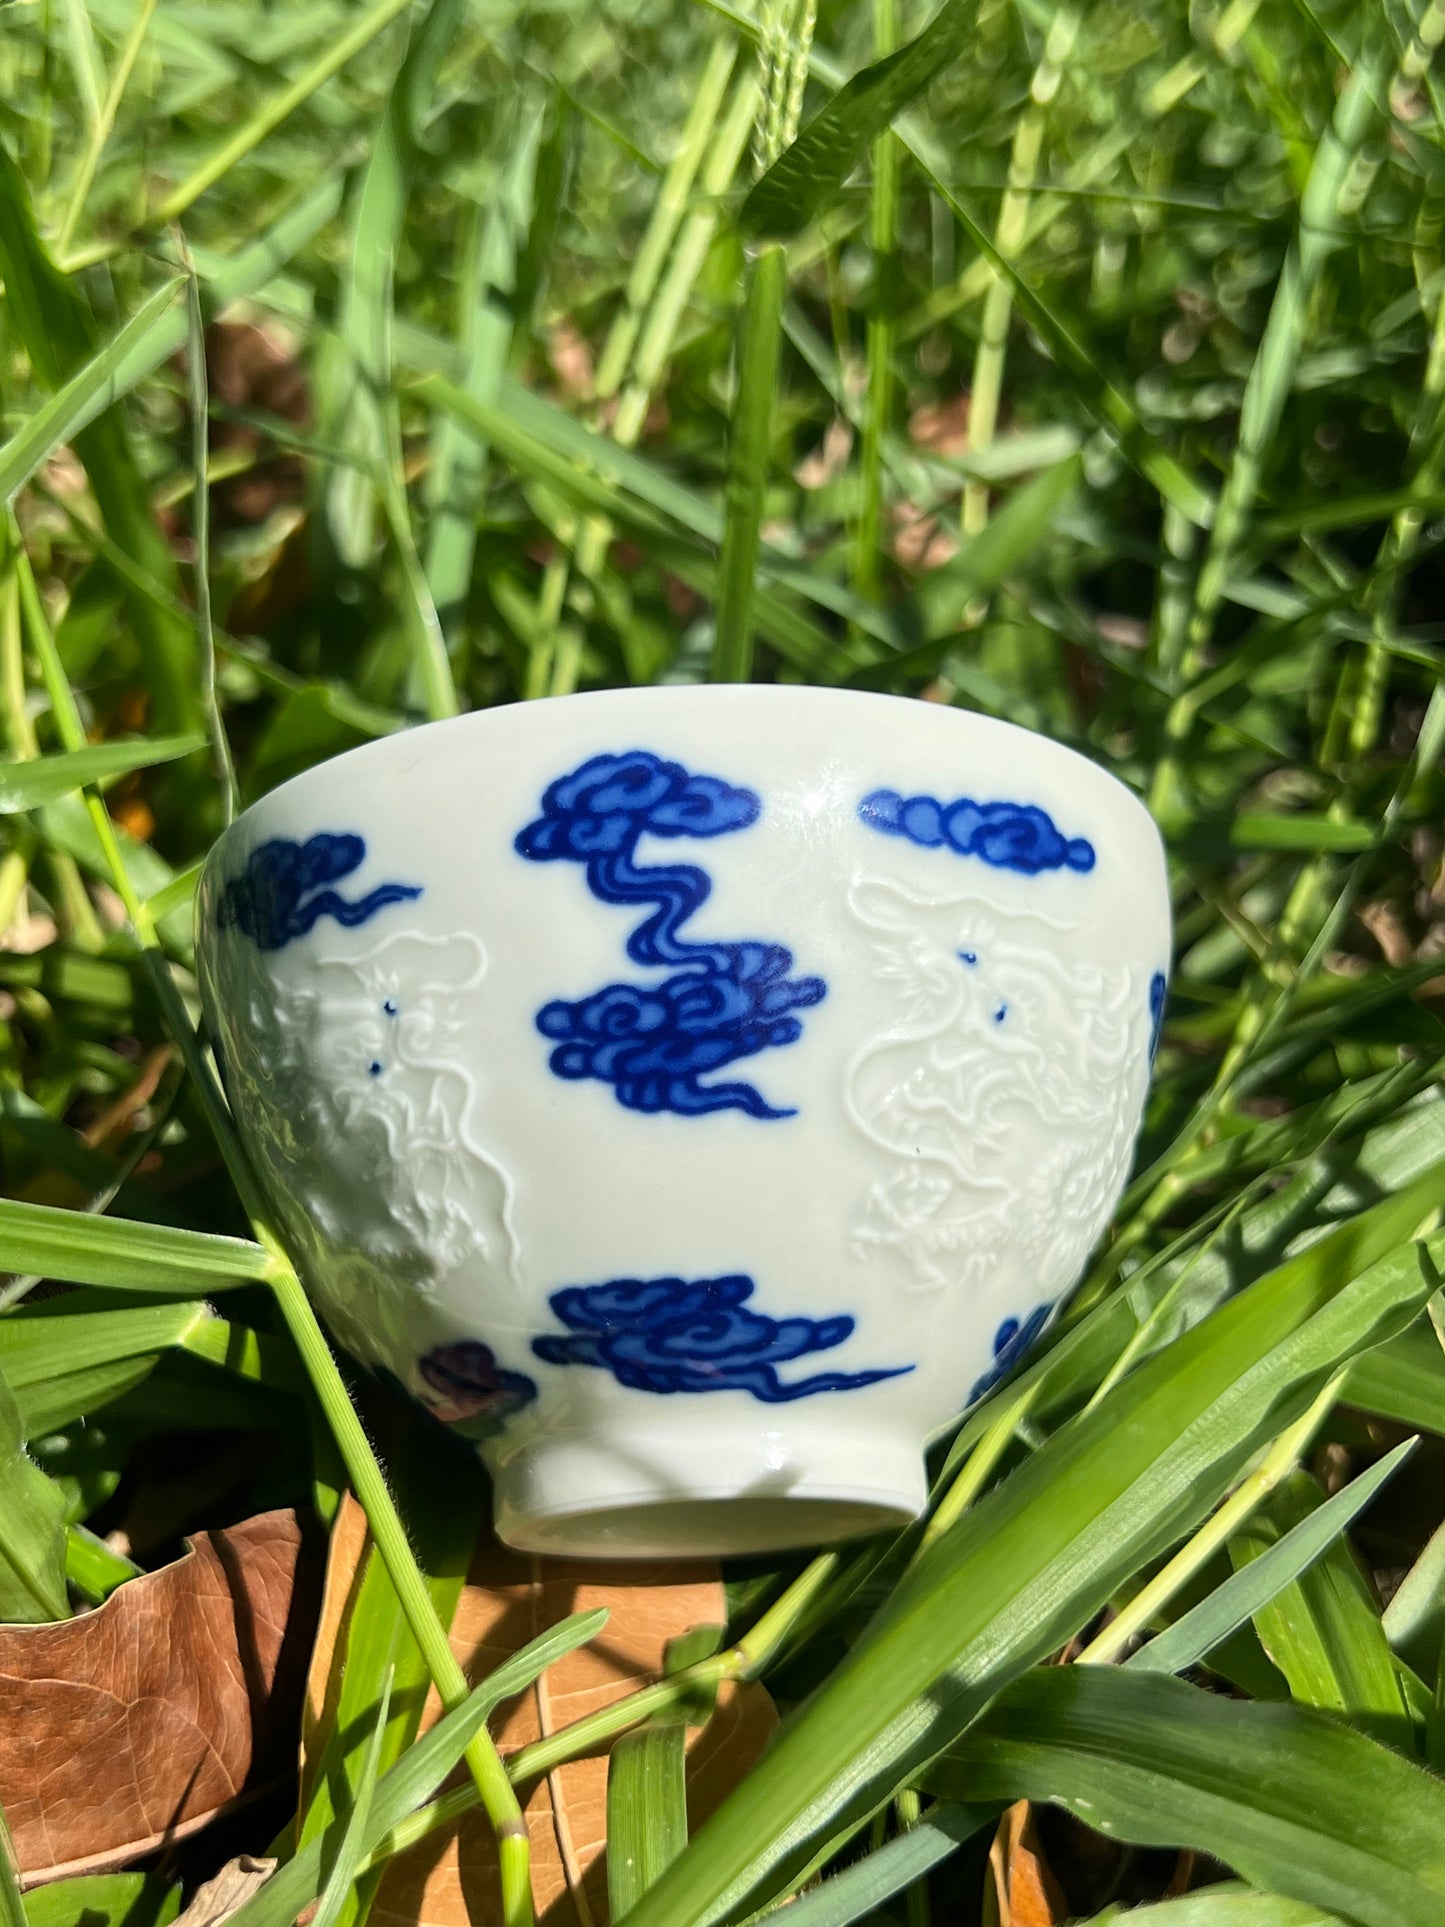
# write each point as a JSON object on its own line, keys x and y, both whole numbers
{"x": 504, "y": 716}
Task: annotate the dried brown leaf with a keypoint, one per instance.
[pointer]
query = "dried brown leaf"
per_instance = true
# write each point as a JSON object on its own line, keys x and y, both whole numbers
{"x": 225, "y": 1894}
{"x": 345, "y": 1562}
{"x": 941, "y": 427}
{"x": 133, "y": 1725}
{"x": 509, "y": 1598}
{"x": 112, "y": 1124}
{"x": 1025, "y": 1892}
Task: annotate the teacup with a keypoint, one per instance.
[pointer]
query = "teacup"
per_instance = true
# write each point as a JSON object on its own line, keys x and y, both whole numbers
{"x": 697, "y": 1096}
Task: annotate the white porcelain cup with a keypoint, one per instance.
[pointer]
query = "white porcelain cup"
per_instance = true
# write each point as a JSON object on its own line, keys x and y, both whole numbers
{"x": 696, "y": 1095}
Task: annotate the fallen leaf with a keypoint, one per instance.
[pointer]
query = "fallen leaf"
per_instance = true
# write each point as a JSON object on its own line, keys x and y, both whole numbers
{"x": 941, "y": 427}
{"x": 829, "y": 459}
{"x": 274, "y": 584}
{"x": 133, "y": 1725}
{"x": 109, "y": 1129}
{"x": 251, "y": 371}
{"x": 1025, "y": 1893}
{"x": 449, "y": 1880}
{"x": 344, "y": 1559}
{"x": 1181, "y": 1881}
{"x": 131, "y": 810}
{"x": 571, "y": 358}
{"x": 227, "y": 1892}
{"x": 920, "y": 542}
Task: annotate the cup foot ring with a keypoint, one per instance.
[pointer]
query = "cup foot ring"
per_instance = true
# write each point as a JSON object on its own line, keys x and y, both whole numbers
{"x": 580, "y": 1499}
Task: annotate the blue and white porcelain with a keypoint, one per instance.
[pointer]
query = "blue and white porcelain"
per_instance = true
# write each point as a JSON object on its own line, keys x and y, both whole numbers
{"x": 696, "y": 1096}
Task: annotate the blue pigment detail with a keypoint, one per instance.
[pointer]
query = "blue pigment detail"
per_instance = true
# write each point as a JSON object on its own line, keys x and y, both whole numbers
{"x": 389, "y": 1008}
{"x": 653, "y": 1043}
{"x": 1010, "y": 836}
{"x": 1158, "y": 985}
{"x": 1010, "y": 1342}
{"x": 669, "y": 1335}
{"x": 475, "y": 1388}
{"x": 280, "y": 894}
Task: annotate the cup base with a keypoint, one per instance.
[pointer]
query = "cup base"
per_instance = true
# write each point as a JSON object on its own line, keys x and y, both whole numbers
{"x": 599, "y": 1498}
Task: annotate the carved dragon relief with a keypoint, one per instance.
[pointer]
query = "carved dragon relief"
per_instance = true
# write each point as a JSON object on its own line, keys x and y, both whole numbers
{"x": 368, "y": 1051}
{"x": 1004, "y": 1100}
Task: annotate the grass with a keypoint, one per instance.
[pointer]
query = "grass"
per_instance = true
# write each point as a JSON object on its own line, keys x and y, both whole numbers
{"x": 1079, "y": 366}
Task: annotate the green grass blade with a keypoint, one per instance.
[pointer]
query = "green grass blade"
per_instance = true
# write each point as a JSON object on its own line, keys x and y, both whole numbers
{"x": 368, "y": 425}
{"x": 881, "y": 331}
{"x": 860, "y": 1890}
{"x": 1255, "y": 1584}
{"x": 417, "y": 1775}
{"x": 444, "y": 1508}
{"x": 1042, "y": 1552}
{"x": 57, "y": 331}
{"x": 51, "y": 1337}
{"x": 1166, "y": 1298}
{"x": 70, "y": 1396}
{"x": 123, "y": 1255}
{"x": 1267, "y": 390}
{"x": 29, "y": 785}
{"x": 234, "y": 277}
{"x": 667, "y": 214}
{"x": 1323, "y": 1629}
{"x": 484, "y": 334}
{"x": 657, "y": 292}
{"x": 998, "y": 550}
{"x": 32, "y": 1529}
{"x": 549, "y": 453}
{"x": 104, "y": 1900}
{"x": 1415, "y": 1618}
{"x": 646, "y": 1810}
{"x": 102, "y": 124}
{"x": 1001, "y": 548}
{"x": 1227, "y": 1905}
{"x": 94, "y": 1571}
{"x": 178, "y": 894}
{"x": 200, "y": 399}
{"x": 595, "y": 471}
{"x": 351, "y": 1850}
{"x": 155, "y": 332}
{"x": 986, "y": 388}
{"x": 1298, "y": 1803}
{"x": 66, "y": 825}
{"x": 364, "y": 324}
{"x": 12, "y": 1906}
{"x": 750, "y": 435}
{"x": 431, "y": 684}
{"x": 88, "y": 393}
{"x": 1405, "y": 1383}
{"x": 659, "y": 328}
{"x": 1099, "y": 390}
{"x": 283, "y": 103}
{"x": 806, "y": 175}
{"x": 84, "y": 58}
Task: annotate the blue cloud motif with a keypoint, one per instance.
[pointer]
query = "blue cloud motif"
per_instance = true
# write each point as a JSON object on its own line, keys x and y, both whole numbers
{"x": 466, "y": 1387}
{"x": 1158, "y": 987}
{"x": 669, "y": 1335}
{"x": 603, "y": 807}
{"x": 1010, "y": 1342}
{"x": 280, "y": 894}
{"x": 653, "y": 1043}
{"x": 1010, "y": 836}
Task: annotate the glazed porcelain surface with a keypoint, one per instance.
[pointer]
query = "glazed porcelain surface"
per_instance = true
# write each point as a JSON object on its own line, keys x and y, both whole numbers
{"x": 695, "y": 1095}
